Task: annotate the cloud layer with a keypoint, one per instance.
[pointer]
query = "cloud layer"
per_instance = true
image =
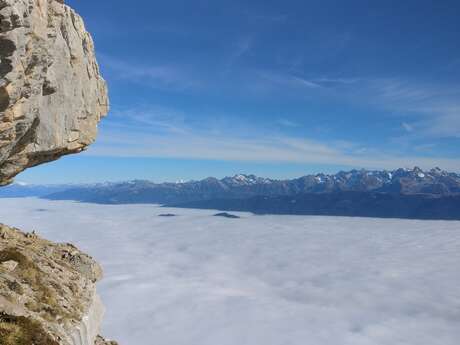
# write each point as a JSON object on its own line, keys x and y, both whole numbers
{"x": 273, "y": 280}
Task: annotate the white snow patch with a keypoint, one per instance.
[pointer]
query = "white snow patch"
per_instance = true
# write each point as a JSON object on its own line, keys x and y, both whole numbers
{"x": 196, "y": 279}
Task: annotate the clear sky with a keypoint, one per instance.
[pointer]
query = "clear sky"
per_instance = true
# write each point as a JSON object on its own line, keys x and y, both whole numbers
{"x": 276, "y": 88}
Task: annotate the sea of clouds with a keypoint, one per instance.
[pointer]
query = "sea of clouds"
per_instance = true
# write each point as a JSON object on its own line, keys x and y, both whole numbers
{"x": 196, "y": 279}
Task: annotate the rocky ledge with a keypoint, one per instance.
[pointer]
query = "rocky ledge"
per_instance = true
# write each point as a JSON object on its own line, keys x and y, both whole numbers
{"x": 51, "y": 93}
{"x": 47, "y": 292}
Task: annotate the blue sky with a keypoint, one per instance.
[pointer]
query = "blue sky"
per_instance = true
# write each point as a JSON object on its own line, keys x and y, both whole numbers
{"x": 276, "y": 88}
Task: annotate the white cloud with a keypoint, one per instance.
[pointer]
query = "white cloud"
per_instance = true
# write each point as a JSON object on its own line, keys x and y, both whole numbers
{"x": 272, "y": 280}
{"x": 194, "y": 144}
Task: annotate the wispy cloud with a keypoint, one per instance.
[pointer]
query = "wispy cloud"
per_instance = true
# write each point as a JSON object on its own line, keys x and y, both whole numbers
{"x": 151, "y": 118}
{"x": 305, "y": 82}
{"x": 433, "y": 109}
{"x": 239, "y": 49}
{"x": 242, "y": 46}
{"x": 165, "y": 134}
{"x": 425, "y": 110}
{"x": 407, "y": 127}
{"x": 289, "y": 80}
{"x": 336, "y": 81}
{"x": 277, "y": 149}
{"x": 168, "y": 77}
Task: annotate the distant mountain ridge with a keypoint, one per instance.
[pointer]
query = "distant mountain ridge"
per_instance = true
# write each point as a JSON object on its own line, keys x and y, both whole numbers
{"x": 400, "y": 181}
{"x": 355, "y": 192}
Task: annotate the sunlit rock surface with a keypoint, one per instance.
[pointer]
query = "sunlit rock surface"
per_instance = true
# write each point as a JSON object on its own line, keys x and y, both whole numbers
{"x": 51, "y": 93}
{"x": 53, "y": 285}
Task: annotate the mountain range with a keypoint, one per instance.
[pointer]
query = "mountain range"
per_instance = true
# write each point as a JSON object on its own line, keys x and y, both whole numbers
{"x": 401, "y": 193}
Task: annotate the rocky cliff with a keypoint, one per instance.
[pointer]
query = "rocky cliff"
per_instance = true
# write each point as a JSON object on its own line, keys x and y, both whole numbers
{"x": 47, "y": 292}
{"x": 51, "y": 99}
{"x": 51, "y": 93}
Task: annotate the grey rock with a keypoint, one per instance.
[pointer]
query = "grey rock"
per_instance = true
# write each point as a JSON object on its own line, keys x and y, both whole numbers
{"x": 9, "y": 265}
{"x": 51, "y": 284}
{"x": 52, "y": 95}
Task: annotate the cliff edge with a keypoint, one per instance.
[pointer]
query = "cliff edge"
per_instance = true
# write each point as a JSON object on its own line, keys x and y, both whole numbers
{"x": 51, "y": 99}
{"x": 47, "y": 292}
{"x": 51, "y": 93}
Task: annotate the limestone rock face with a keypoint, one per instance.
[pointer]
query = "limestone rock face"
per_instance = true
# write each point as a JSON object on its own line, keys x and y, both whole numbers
{"x": 50, "y": 286}
{"x": 51, "y": 93}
